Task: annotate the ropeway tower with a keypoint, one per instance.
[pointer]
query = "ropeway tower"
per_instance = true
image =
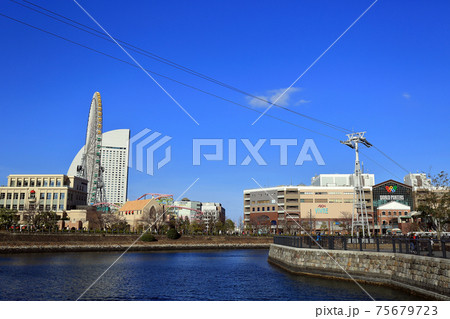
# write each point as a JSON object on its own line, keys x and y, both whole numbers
{"x": 359, "y": 216}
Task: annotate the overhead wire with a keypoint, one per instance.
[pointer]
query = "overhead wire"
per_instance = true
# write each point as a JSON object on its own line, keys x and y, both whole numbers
{"x": 166, "y": 77}
{"x": 163, "y": 60}
{"x": 151, "y": 55}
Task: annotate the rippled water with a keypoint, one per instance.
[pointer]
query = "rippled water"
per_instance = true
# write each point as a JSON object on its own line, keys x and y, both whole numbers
{"x": 180, "y": 275}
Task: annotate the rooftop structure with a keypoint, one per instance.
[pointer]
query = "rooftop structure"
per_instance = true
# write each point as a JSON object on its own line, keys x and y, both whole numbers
{"x": 332, "y": 180}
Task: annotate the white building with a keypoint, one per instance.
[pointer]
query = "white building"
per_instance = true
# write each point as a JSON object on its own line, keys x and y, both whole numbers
{"x": 212, "y": 213}
{"x": 188, "y": 213}
{"x": 333, "y": 180}
{"x": 419, "y": 180}
{"x": 114, "y": 159}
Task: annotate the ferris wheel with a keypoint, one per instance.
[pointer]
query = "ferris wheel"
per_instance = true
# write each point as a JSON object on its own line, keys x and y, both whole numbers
{"x": 90, "y": 168}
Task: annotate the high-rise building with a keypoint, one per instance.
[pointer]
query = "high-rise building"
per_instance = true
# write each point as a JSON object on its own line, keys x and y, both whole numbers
{"x": 114, "y": 160}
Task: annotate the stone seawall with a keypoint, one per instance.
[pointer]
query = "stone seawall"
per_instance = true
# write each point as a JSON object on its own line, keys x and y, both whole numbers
{"x": 418, "y": 274}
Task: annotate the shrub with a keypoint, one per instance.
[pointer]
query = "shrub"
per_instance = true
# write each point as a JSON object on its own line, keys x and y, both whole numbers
{"x": 173, "y": 234}
{"x": 148, "y": 237}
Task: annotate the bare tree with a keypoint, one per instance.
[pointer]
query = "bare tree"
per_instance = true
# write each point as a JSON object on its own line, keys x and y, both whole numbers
{"x": 346, "y": 221}
{"x": 113, "y": 221}
{"x": 435, "y": 202}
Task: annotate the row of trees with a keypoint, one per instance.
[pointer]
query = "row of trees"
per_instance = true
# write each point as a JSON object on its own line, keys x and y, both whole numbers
{"x": 33, "y": 219}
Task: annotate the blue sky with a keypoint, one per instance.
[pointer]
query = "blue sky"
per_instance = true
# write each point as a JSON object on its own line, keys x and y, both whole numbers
{"x": 389, "y": 76}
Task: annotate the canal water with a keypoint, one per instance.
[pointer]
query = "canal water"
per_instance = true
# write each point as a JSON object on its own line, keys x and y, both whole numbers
{"x": 175, "y": 275}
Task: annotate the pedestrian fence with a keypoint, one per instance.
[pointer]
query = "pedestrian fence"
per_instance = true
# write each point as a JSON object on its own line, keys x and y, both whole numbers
{"x": 403, "y": 245}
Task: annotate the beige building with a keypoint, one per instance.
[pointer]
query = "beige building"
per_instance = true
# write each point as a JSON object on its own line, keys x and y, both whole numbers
{"x": 41, "y": 192}
{"x": 77, "y": 219}
{"x": 142, "y": 213}
{"x": 293, "y": 209}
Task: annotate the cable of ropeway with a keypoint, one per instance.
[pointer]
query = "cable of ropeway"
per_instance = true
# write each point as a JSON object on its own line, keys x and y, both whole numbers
{"x": 206, "y": 92}
{"x": 173, "y": 64}
{"x": 164, "y": 76}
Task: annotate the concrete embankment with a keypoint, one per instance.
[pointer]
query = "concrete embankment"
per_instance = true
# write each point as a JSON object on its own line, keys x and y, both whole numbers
{"x": 38, "y": 242}
{"x": 420, "y": 275}
{"x": 116, "y": 247}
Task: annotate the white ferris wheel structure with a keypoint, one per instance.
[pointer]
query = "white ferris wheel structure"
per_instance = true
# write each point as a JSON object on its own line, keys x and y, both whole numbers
{"x": 91, "y": 168}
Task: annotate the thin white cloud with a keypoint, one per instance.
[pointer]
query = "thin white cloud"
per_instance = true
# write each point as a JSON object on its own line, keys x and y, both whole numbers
{"x": 302, "y": 101}
{"x": 406, "y": 95}
{"x": 272, "y": 96}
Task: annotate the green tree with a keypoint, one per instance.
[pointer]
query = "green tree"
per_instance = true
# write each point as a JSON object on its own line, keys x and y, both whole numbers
{"x": 197, "y": 227}
{"x": 8, "y": 218}
{"x": 435, "y": 202}
{"x": 229, "y": 226}
{"x": 46, "y": 220}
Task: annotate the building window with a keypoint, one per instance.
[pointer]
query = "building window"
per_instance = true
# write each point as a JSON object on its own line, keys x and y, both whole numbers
{"x": 1, "y": 206}
{"x": 32, "y": 183}
{"x": 21, "y": 207}
{"x": 383, "y": 213}
{"x": 47, "y": 207}
{"x": 8, "y": 196}
{"x": 273, "y": 208}
{"x": 55, "y": 195}
{"x": 2, "y": 196}
{"x": 19, "y": 183}
{"x": 258, "y": 209}
{"x": 38, "y": 183}
{"x": 12, "y": 183}
{"x": 25, "y": 183}
{"x": 389, "y": 213}
{"x": 41, "y": 207}
{"x": 58, "y": 183}
{"x": 61, "y": 196}
{"x": 32, "y": 207}
{"x": 42, "y": 196}
{"x": 263, "y": 208}
{"x": 406, "y": 213}
{"x": 22, "y": 195}
{"x": 253, "y": 209}
{"x": 395, "y": 213}
{"x": 61, "y": 207}
{"x": 14, "y": 206}
{"x": 52, "y": 183}
{"x": 49, "y": 196}
{"x": 8, "y": 206}
{"x": 45, "y": 183}
{"x": 16, "y": 195}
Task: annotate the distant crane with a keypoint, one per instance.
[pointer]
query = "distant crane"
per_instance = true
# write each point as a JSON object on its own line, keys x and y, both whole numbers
{"x": 359, "y": 215}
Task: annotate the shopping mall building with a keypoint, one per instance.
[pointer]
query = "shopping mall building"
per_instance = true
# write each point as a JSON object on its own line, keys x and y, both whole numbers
{"x": 327, "y": 206}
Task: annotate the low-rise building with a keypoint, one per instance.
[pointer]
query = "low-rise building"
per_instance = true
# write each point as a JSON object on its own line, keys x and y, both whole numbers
{"x": 143, "y": 213}
{"x": 87, "y": 218}
{"x": 212, "y": 213}
{"x": 41, "y": 192}
{"x": 192, "y": 209}
{"x": 392, "y": 215}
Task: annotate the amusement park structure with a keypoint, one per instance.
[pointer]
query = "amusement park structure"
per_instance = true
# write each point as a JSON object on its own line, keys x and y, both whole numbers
{"x": 90, "y": 168}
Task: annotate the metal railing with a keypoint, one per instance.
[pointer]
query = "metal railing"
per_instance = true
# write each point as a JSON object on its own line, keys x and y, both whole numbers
{"x": 403, "y": 245}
